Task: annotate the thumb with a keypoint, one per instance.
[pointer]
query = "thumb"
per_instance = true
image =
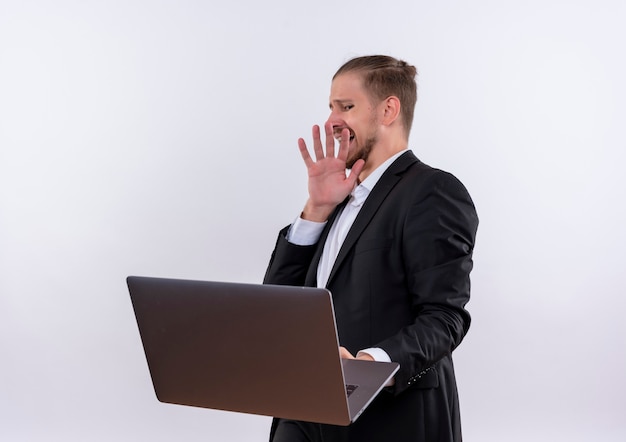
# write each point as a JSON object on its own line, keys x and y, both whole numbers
{"x": 356, "y": 170}
{"x": 344, "y": 353}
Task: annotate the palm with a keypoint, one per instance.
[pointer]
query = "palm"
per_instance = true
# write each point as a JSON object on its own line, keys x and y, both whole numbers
{"x": 328, "y": 183}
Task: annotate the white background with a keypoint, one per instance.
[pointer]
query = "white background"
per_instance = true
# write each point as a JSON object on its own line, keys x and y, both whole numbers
{"x": 159, "y": 138}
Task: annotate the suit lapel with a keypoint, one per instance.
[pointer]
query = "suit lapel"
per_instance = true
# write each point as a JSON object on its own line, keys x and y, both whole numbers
{"x": 373, "y": 202}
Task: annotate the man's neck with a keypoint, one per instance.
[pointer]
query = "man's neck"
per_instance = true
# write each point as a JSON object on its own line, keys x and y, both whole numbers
{"x": 380, "y": 153}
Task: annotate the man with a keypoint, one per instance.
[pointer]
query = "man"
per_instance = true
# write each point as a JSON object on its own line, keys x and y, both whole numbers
{"x": 392, "y": 240}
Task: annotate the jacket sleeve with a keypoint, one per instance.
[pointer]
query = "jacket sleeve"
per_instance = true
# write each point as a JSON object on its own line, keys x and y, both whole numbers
{"x": 289, "y": 263}
{"x": 437, "y": 244}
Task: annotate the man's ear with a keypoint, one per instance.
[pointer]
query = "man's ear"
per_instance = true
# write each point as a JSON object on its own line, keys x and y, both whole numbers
{"x": 390, "y": 110}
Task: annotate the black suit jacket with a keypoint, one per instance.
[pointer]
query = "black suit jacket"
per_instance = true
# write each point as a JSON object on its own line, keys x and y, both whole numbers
{"x": 401, "y": 283}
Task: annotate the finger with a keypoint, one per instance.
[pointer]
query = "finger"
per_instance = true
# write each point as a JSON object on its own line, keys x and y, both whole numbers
{"x": 344, "y": 145}
{"x": 364, "y": 356}
{"x": 330, "y": 139}
{"x": 317, "y": 143}
{"x": 304, "y": 152}
{"x": 357, "y": 167}
{"x": 345, "y": 354}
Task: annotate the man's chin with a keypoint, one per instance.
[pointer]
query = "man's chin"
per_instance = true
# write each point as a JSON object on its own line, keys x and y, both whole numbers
{"x": 353, "y": 159}
{"x": 350, "y": 163}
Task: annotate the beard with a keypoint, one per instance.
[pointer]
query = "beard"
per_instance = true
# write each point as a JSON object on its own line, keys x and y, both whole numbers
{"x": 361, "y": 152}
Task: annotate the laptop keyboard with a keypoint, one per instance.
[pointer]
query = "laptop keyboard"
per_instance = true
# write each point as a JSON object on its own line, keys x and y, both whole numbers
{"x": 350, "y": 389}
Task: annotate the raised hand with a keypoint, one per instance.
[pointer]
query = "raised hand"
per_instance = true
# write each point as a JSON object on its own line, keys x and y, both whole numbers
{"x": 328, "y": 183}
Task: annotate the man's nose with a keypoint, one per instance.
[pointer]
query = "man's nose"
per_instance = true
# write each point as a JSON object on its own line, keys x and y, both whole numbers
{"x": 335, "y": 122}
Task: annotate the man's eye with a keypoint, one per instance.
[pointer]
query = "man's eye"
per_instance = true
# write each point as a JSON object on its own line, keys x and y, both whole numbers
{"x": 347, "y": 107}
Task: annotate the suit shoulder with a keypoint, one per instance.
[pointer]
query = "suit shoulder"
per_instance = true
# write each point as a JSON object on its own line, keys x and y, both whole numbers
{"x": 431, "y": 176}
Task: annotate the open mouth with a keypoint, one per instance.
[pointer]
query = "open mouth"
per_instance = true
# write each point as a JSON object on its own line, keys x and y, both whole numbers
{"x": 338, "y": 137}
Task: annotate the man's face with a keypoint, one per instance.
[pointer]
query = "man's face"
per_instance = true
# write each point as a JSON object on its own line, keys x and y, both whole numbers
{"x": 351, "y": 108}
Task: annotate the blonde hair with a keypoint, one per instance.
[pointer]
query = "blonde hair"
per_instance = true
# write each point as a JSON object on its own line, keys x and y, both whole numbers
{"x": 385, "y": 76}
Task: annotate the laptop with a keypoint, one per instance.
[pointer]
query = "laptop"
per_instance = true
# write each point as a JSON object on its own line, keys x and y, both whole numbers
{"x": 251, "y": 348}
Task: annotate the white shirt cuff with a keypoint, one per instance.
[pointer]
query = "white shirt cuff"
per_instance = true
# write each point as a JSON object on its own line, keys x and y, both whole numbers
{"x": 378, "y": 354}
{"x": 305, "y": 233}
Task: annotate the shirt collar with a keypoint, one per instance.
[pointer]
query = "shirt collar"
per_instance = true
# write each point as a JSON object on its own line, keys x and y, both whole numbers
{"x": 373, "y": 177}
{"x": 360, "y": 193}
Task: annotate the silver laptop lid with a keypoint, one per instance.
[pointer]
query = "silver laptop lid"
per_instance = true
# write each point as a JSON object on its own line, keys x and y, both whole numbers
{"x": 262, "y": 349}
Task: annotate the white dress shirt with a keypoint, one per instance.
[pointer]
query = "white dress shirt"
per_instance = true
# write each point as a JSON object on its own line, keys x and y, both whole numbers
{"x": 304, "y": 233}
